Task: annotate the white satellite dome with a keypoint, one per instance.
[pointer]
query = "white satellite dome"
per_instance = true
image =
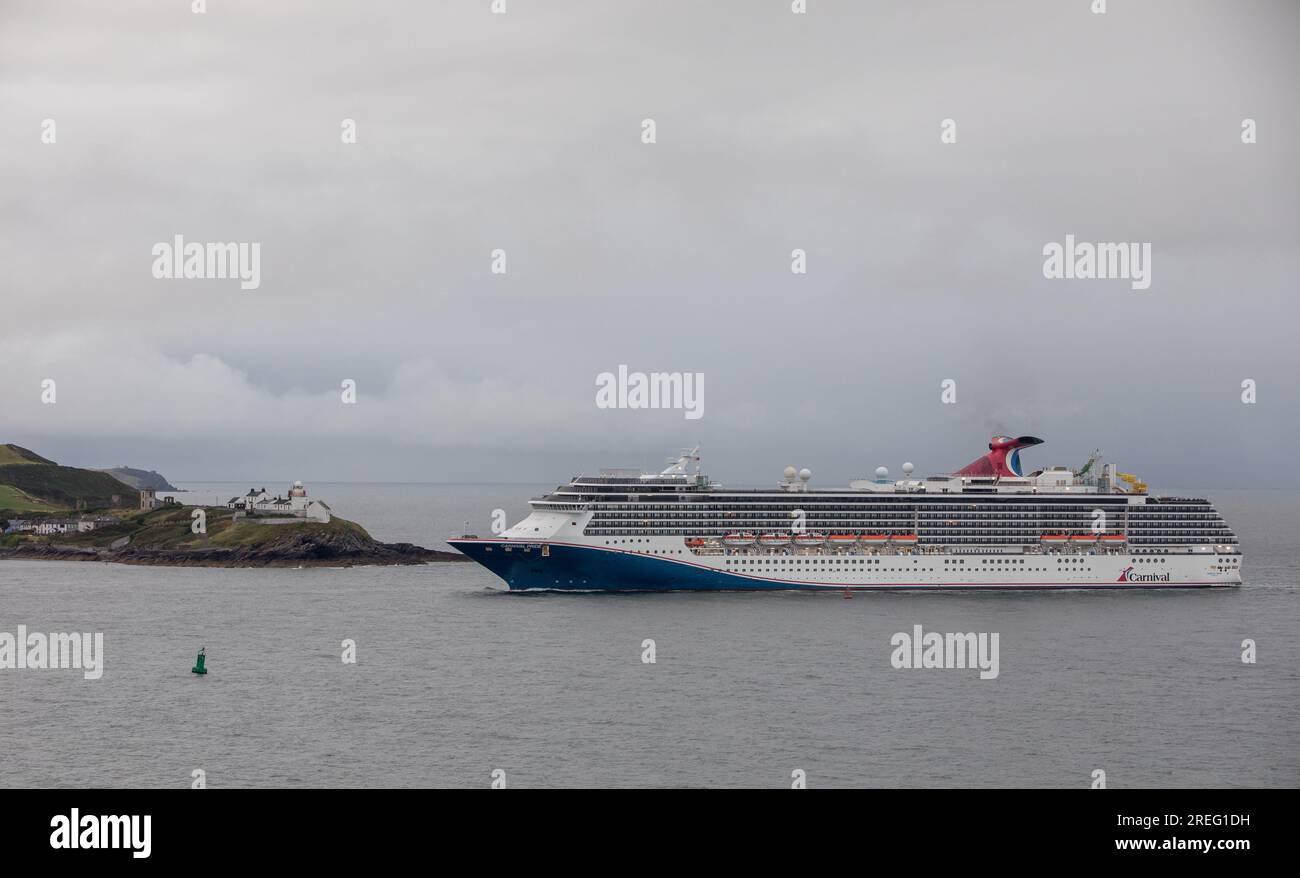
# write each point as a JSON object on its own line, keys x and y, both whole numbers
{"x": 907, "y": 468}
{"x": 805, "y": 474}
{"x": 882, "y": 472}
{"x": 789, "y": 473}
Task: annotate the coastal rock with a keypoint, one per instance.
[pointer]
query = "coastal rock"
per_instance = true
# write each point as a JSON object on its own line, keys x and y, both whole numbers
{"x": 341, "y": 549}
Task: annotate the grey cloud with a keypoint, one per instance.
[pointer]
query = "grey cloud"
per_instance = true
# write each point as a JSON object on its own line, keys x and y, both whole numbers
{"x": 775, "y": 132}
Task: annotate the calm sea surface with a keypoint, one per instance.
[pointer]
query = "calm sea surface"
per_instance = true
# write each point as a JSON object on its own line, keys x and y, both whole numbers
{"x": 456, "y": 678}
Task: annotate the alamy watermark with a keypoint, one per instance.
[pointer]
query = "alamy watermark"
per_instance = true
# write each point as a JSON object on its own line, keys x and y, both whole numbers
{"x": 39, "y": 651}
{"x": 75, "y": 831}
{"x": 653, "y": 390}
{"x": 1104, "y": 261}
{"x": 922, "y": 649}
{"x": 178, "y": 260}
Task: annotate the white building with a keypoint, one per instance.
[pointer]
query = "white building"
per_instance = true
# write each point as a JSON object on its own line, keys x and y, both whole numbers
{"x": 249, "y": 501}
{"x": 296, "y": 505}
{"x": 318, "y": 511}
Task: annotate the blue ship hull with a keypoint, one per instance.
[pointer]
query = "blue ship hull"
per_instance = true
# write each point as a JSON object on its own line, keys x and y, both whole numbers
{"x": 590, "y": 568}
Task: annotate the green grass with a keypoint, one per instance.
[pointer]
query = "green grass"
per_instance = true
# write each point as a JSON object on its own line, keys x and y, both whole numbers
{"x": 162, "y": 528}
{"x": 101, "y": 536}
{"x": 14, "y": 500}
{"x": 31, "y": 483}
{"x": 244, "y": 534}
{"x": 66, "y": 485}
{"x": 16, "y": 454}
{"x": 170, "y": 528}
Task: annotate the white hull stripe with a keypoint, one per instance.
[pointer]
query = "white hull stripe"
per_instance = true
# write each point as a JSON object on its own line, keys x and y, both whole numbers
{"x": 805, "y": 582}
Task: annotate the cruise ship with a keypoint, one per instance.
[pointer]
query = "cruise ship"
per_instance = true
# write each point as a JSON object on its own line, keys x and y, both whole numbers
{"x": 986, "y": 526}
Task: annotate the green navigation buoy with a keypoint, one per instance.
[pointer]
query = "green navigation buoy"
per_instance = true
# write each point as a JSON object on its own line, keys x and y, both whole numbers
{"x": 198, "y": 662}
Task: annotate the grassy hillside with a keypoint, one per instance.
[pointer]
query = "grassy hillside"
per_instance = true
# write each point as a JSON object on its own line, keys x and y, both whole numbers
{"x": 17, "y": 454}
{"x": 32, "y": 479}
{"x": 139, "y": 478}
{"x": 15, "y": 500}
{"x": 169, "y": 528}
{"x": 164, "y": 537}
{"x": 31, "y": 484}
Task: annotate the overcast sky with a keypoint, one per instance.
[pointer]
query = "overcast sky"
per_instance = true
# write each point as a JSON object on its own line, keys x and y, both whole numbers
{"x": 523, "y": 132}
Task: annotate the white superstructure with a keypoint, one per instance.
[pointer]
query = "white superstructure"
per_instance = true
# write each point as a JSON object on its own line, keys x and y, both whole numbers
{"x": 988, "y": 526}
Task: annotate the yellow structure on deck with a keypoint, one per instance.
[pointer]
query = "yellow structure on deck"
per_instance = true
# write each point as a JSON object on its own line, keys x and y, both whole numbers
{"x": 1138, "y": 487}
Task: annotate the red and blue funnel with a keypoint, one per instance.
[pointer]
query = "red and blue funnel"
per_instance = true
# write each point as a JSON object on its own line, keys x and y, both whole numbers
{"x": 1003, "y": 458}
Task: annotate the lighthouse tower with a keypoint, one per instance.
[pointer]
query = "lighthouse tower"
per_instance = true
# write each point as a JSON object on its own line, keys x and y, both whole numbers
{"x": 298, "y": 497}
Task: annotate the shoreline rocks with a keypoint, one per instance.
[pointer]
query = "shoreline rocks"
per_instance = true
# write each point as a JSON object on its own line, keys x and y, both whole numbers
{"x": 307, "y": 550}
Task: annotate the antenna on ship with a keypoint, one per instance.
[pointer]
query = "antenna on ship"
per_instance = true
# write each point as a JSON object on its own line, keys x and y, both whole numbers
{"x": 677, "y": 465}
